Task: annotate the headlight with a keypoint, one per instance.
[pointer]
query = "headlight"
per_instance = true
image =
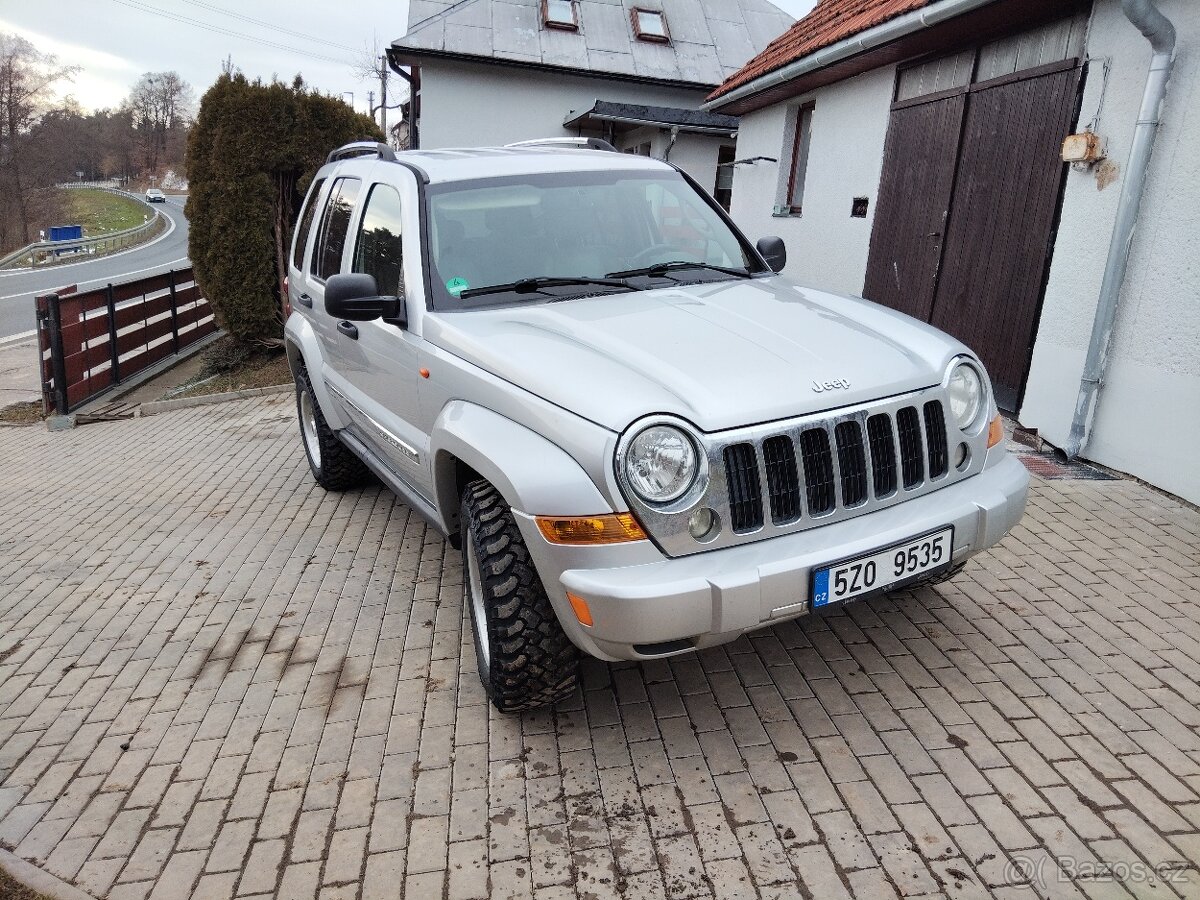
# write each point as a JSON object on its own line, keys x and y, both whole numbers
{"x": 966, "y": 395}
{"x": 661, "y": 464}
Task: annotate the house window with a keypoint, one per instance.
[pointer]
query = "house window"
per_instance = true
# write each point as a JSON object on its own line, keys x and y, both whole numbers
{"x": 795, "y": 194}
{"x": 560, "y": 14}
{"x": 650, "y": 25}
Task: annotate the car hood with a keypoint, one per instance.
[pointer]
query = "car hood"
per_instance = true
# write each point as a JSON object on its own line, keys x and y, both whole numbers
{"x": 719, "y": 355}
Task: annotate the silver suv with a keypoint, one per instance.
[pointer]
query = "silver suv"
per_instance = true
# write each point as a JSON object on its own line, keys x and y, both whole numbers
{"x": 644, "y": 440}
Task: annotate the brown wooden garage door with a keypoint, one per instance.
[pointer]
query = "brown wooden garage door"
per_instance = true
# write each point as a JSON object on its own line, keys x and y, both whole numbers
{"x": 968, "y": 203}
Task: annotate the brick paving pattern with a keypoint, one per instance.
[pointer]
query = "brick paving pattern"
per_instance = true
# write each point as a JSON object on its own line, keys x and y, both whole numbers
{"x": 216, "y": 680}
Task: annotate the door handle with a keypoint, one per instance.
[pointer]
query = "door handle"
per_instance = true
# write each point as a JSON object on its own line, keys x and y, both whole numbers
{"x": 349, "y": 330}
{"x": 304, "y": 300}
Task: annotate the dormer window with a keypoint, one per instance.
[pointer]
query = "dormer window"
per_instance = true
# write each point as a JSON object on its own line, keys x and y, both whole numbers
{"x": 560, "y": 14}
{"x": 650, "y": 25}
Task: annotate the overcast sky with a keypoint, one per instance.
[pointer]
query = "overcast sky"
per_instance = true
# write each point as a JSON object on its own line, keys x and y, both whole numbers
{"x": 115, "y": 41}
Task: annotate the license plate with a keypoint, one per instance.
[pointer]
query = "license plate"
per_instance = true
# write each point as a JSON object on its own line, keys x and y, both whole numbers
{"x": 882, "y": 568}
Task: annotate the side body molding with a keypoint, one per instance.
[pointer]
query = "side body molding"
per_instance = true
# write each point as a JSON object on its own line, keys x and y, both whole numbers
{"x": 533, "y": 475}
{"x": 303, "y": 347}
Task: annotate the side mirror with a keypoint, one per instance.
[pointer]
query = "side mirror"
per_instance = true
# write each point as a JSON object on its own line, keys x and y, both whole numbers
{"x": 355, "y": 298}
{"x": 773, "y": 251}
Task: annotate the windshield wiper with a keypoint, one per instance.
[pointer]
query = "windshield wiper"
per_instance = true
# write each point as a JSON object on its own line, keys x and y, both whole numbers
{"x": 663, "y": 267}
{"x": 535, "y": 285}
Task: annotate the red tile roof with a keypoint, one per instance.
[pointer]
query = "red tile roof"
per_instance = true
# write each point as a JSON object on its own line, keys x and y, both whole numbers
{"x": 828, "y": 23}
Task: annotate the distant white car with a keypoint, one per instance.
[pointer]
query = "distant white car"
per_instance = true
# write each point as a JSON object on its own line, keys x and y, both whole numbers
{"x": 154, "y": 195}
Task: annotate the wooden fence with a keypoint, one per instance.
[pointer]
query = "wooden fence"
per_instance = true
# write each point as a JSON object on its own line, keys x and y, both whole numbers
{"x": 90, "y": 342}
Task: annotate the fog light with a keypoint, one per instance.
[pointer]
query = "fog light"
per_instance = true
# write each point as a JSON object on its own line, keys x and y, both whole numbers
{"x": 704, "y": 524}
{"x": 962, "y": 456}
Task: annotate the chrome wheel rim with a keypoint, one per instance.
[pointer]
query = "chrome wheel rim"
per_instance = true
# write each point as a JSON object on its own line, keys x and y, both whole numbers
{"x": 475, "y": 593}
{"x": 308, "y": 427}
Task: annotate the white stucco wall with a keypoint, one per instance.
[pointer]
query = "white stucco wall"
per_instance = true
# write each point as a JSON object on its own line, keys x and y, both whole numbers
{"x": 471, "y": 105}
{"x": 826, "y": 247}
{"x": 1147, "y": 420}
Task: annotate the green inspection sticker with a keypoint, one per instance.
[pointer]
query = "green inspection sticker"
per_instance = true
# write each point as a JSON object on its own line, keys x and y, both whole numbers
{"x": 457, "y": 285}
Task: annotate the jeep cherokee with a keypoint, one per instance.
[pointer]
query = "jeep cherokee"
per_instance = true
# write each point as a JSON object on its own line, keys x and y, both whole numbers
{"x": 643, "y": 438}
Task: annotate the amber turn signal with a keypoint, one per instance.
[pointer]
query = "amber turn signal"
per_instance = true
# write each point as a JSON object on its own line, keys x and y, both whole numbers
{"x": 995, "y": 431}
{"x": 582, "y": 613}
{"x": 614, "y": 528}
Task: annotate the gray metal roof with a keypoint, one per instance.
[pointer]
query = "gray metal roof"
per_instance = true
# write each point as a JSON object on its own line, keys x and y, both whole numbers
{"x": 710, "y": 39}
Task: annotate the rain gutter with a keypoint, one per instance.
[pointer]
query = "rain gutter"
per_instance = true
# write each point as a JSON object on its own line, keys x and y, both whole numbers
{"x": 883, "y": 33}
{"x": 1159, "y": 31}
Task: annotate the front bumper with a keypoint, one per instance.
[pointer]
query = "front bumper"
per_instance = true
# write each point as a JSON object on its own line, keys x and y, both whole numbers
{"x": 645, "y": 605}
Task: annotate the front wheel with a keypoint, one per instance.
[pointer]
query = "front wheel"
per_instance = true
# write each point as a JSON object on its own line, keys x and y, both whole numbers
{"x": 525, "y": 658}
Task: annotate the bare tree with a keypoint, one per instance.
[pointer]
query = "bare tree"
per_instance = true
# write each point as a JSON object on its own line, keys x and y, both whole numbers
{"x": 27, "y": 81}
{"x": 161, "y": 106}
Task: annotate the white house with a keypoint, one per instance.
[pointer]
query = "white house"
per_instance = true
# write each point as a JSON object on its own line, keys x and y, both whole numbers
{"x": 914, "y": 155}
{"x": 634, "y": 72}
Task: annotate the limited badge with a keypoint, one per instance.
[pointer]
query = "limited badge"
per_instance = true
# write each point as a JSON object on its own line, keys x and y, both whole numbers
{"x": 457, "y": 285}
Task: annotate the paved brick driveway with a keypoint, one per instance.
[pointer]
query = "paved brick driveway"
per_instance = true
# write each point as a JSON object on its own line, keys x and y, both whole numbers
{"x": 217, "y": 680}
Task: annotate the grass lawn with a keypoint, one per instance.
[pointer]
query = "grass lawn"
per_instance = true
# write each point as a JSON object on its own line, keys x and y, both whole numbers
{"x": 102, "y": 212}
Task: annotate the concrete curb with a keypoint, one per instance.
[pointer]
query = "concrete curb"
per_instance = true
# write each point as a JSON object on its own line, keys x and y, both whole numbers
{"x": 16, "y": 340}
{"x": 154, "y": 407}
{"x": 43, "y": 882}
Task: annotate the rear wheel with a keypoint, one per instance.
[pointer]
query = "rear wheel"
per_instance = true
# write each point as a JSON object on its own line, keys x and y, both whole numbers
{"x": 525, "y": 658}
{"x": 333, "y": 464}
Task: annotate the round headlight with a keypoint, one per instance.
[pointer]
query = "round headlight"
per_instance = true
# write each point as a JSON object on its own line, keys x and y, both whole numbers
{"x": 966, "y": 395}
{"x": 661, "y": 464}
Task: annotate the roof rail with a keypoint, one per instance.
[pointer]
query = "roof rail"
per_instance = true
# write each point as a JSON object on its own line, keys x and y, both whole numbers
{"x": 568, "y": 143}
{"x": 362, "y": 148}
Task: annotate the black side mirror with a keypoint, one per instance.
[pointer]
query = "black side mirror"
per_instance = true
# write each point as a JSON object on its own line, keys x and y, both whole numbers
{"x": 773, "y": 251}
{"x": 355, "y": 298}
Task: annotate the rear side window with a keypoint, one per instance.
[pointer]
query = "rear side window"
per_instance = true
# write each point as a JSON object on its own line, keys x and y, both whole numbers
{"x": 334, "y": 225}
{"x": 377, "y": 249}
{"x": 300, "y": 241}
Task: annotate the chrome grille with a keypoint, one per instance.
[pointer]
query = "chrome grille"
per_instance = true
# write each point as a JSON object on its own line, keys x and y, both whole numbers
{"x": 786, "y": 476}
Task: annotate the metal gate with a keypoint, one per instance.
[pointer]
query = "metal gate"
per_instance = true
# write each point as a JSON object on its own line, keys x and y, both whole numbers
{"x": 88, "y": 343}
{"x": 967, "y": 209}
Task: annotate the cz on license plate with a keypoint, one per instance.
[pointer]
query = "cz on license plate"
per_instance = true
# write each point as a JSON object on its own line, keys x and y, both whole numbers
{"x": 882, "y": 568}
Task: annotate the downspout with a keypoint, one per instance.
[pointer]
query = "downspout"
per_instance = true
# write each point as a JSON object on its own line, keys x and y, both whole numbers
{"x": 1159, "y": 31}
{"x": 413, "y": 99}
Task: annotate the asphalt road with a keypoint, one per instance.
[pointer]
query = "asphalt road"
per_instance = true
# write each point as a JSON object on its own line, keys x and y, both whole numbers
{"x": 18, "y": 288}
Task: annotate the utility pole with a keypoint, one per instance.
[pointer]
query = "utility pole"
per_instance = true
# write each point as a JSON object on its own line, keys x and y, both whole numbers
{"x": 383, "y": 80}
{"x": 371, "y": 102}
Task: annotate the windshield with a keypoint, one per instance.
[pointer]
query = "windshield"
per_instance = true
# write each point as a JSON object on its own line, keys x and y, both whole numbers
{"x": 500, "y": 233}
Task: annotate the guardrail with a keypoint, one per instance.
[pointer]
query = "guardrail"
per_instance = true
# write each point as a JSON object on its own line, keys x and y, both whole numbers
{"x": 110, "y": 242}
{"x": 88, "y": 343}
{"x": 113, "y": 241}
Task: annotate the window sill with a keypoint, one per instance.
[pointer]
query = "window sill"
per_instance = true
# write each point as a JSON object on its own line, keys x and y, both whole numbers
{"x": 786, "y": 214}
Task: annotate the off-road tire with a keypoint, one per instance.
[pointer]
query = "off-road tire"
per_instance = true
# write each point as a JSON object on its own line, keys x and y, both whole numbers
{"x": 338, "y": 469}
{"x": 531, "y": 662}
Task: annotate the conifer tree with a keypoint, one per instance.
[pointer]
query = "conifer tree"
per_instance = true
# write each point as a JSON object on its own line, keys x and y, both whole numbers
{"x": 251, "y": 156}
